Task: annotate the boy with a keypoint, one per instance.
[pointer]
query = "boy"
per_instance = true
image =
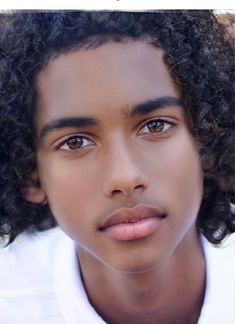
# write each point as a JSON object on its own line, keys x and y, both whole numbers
{"x": 118, "y": 128}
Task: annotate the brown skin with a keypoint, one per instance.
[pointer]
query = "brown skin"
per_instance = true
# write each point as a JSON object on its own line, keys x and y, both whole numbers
{"x": 123, "y": 162}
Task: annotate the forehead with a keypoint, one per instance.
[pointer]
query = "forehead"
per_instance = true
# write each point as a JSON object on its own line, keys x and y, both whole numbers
{"x": 113, "y": 76}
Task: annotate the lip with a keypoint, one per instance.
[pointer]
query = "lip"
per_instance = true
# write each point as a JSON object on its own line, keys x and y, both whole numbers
{"x": 133, "y": 223}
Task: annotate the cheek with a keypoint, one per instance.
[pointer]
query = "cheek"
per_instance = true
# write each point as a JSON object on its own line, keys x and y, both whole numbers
{"x": 188, "y": 182}
{"x": 178, "y": 176}
{"x": 68, "y": 187}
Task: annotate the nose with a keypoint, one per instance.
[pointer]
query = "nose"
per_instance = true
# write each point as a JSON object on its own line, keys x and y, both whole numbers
{"x": 124, "y": 173}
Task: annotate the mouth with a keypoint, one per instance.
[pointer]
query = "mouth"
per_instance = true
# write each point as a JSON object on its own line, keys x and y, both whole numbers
{"x": 128, "y": 224}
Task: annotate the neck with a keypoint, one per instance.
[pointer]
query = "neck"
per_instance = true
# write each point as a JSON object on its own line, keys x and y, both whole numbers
{"x": 170, "y": 293}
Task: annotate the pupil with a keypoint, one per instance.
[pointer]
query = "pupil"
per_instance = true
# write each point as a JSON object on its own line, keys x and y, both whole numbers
{"x": 155, "y": 126}
{"x": 74, "y": 143}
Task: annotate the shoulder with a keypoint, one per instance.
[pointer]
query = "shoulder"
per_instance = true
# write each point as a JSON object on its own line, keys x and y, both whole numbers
{"x": 224, "y": 251}
{"x": 219, "y": 301}
{"x": 28, "y": 261}
{"x": 220, "y": 259}
{"x": 27, "y": 283}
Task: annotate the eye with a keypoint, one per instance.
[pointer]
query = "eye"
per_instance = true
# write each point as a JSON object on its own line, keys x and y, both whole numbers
{"x": 156, "y": 126}
{"x": 75, "y": 143}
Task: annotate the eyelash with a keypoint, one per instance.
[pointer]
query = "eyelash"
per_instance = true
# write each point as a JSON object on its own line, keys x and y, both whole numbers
{"x": 73, "y": 140}
{"x": 165, "y": 123}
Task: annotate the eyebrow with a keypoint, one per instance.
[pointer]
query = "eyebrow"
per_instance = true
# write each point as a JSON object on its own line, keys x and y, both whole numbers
{"x": 151, "y": 105}
{"x": 67, "y": 122}
{"x": 139, "y": 109}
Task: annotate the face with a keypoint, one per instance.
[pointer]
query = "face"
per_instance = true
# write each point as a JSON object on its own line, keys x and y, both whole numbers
{"x": 113, "y": 140}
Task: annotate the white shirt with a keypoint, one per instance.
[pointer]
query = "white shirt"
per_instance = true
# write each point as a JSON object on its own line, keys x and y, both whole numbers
{"x": 40, "y": 283}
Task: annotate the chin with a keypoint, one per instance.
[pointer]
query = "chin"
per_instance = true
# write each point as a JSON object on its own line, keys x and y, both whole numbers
{"x": 137, "y": 266}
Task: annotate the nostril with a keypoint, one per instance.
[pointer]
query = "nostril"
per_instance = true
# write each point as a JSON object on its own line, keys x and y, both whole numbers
{"x": 139, "y": 187}
{"x": 128, "y": 191}
{"x": 126, "y": 183}
{"x": 116, "y": 191}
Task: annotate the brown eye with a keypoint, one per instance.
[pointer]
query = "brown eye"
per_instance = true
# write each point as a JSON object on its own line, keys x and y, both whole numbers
{"x": 75, "y": 143}
{"x": 156, "y": 126}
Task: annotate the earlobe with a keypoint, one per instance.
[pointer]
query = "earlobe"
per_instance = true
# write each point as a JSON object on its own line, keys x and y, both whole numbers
{"x": 34, "y": 193}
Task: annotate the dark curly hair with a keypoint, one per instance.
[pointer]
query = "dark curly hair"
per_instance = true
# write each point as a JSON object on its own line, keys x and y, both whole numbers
{"x": 200, "y": 56}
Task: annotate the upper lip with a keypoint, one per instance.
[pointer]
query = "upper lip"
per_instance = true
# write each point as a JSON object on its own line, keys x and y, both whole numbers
{"x": 131, "y": 215}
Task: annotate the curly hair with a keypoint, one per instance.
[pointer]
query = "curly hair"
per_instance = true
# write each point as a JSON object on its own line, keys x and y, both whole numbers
{"x": 200, "y": 56}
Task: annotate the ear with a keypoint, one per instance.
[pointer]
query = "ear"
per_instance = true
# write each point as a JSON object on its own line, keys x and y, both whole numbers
{"x": 34, "y": 193}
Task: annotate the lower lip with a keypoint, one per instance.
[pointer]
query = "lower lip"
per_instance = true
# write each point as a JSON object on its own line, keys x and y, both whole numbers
{"x": 134, "y": 231}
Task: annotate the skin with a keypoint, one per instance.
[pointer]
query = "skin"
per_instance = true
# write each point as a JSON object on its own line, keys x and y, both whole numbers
{"x": 122, "y": 162}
